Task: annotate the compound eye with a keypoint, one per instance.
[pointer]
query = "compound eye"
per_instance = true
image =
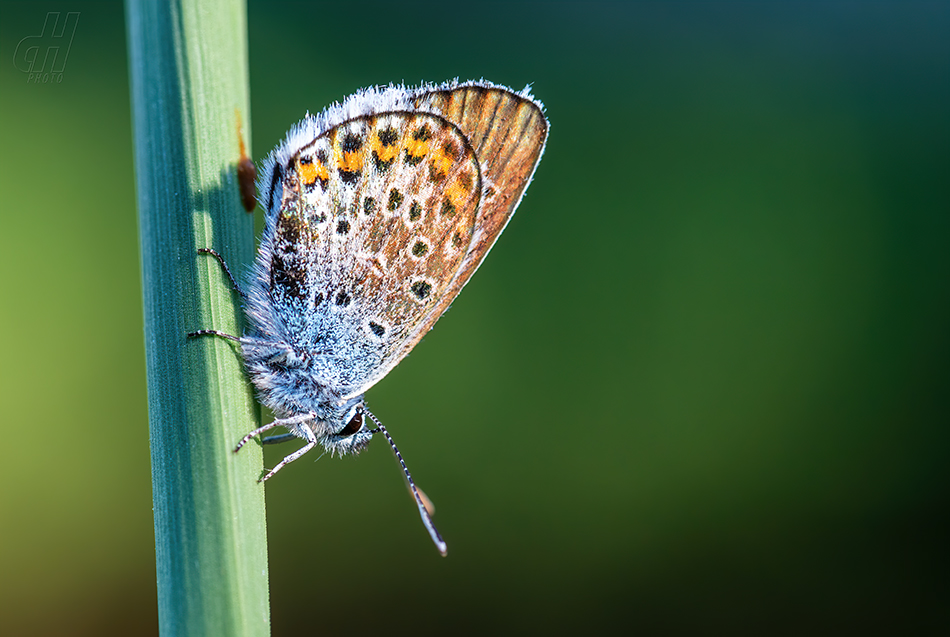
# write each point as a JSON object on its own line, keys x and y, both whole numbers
{"x": 355, "y": 424}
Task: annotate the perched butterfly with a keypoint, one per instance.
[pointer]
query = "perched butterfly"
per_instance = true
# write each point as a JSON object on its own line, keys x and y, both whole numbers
{"x": 378, "y": 212}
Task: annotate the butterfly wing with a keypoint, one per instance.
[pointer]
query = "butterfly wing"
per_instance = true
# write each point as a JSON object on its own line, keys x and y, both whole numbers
{"x": 376, "y": 223}
{"x": 508, "y": 132}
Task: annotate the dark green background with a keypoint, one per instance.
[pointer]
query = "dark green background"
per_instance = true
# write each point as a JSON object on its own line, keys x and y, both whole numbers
{"x": 700, "y": 385}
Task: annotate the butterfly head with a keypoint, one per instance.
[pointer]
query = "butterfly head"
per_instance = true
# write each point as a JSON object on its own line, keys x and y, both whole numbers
{"x": 346, "y": 426}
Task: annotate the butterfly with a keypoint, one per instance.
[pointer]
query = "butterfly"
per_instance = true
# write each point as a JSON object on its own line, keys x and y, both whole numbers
{"x": 377, "y": 212}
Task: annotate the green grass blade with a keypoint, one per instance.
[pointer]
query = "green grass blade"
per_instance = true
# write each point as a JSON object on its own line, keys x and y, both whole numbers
{"x": 189, "y": 78}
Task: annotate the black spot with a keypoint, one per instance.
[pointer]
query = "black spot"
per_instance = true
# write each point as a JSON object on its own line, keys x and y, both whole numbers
{"x": 311, "y": 186}
{"x": 415, "y": 211}
{"x": 448, "y": 208}
{"x": 422, "y": 134}
{"x": 457, "y": 240}
{"x": 369, "y": 205}
{"x": 436, "y": 175}
{"x": 420, "y": 248}
{"x": 388, "y": 136}
{"x": 342, "y": 299}
{"x": 395, "y": 199}
{"x": 342, "y": 226}
{"x": 322, "y": 156}
{"x": 450, "y": 149}
{"x": 306, "y": 160}
{"x": 288, "y": 230}
{"x": 286, "y": 277}
{"x": 412, "y": 160}
{"x": 318, "y": 299}
{"x": 465, "y": 180}
{"x": 376, "y": 328}
{"x": 320, "y": 218}
{"x": 421, "y": 289}
{"x": 382, "y": 166}
{"x": 352, "y": 143}
{"x": 349, "y": 177}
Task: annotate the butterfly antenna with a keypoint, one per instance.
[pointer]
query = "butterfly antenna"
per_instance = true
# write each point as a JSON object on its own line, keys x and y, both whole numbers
{"x": 423, "y": 511}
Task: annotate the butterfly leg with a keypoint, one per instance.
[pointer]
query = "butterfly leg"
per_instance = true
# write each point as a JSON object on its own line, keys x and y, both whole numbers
{"x": 273, "y": 440}
{"x": 311, "y": 443}
{"x": 227, "y": 270}
{"x": 234, "y": 284}
{"x": 280, "y": 422}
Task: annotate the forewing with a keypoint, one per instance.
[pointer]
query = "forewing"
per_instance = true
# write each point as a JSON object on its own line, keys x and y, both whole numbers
{"x": 376, "y": 218}
{"x": 507, "y": 131}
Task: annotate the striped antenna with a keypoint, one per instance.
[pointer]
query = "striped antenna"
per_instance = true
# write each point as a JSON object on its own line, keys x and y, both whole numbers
{"x": 423, "y": 511}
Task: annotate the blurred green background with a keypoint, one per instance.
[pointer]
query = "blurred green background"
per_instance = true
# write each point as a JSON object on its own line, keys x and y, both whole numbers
{"x": 699, "y": 386}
